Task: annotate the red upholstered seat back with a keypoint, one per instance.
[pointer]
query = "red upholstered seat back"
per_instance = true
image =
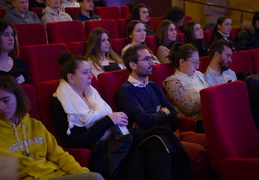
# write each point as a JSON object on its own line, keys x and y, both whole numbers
{"x": 254, "y": 54}
{"x": 118, "y": 44}
{"x": 107, "y": 24}
{"x": 160, "y": 72}
{"x": 125, "y": 11}
{"x": 65, "y": 32}
{"x": 32, "y": 95}
{"x": 109, "y": 82}
{"x": 42, "y": 61}
{"x": 108, "y": 12}
{"x": 154, "y": 22}
{"x": 72, "y": 11}
{"x": 31, "y": 34}
{"x": 228, "y": 122}
{"x": 152, "y": 43}
{"x": 204, "y": 63}
{"x": 77, "y": 47}
{"x": 207, "y": 36}
{"x": 241, "y": 61}
{"x": 122, "y": 26}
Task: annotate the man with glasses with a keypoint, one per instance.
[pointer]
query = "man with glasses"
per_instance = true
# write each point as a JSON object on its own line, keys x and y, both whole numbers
{"x": 20, "y": 14}
{"x": 153, "y": 118}
{"x": 218, "y": 71}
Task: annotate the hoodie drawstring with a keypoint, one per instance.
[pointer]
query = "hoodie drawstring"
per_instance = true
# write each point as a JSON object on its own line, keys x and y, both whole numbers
{"x": 25, "y": 153}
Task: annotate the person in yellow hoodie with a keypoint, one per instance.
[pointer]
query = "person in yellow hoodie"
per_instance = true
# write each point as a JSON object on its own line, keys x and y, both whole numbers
{"x": 27, "y": 139}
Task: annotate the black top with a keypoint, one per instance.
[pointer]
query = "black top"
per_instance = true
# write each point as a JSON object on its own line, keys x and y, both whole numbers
{"x": 202, "y": 47}
{"x": 18, "y": 71}
{"x": 246, "y": 40}
{"x": 34, "y": 3}
{"x": 111, "y": 67}
{"x": 80, "y": 137}
{"x": 218, "y": 36}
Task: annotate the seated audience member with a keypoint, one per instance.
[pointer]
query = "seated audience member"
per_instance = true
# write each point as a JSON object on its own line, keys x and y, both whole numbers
{"x": 81, "y": 116}
{"x": 213, "y": 13}
{"x": 136, "y": 34}
{"x": 100, "y": 54}
{"x": 152, "y": 116}
{"x": 218, "y": 71}
{"x": 176, "y": 14}
{"x": 69, "y": 3}
{"x": 86, "y": 12}
{"x": 222, "y": 30}
{"x": 141, "y": 12}
{"x": 167, "y": 36}
{"x": 20, "y": 13}
{"x": 26, "y": 138}
{"x": 193, "y": 34}
{"x": 9, "y": 63}
{"x": 246, "y": 37}
{"x": 255, "y": 23}
{"x": 183, "y": 87}
{"x": 37, "y": 3}
{"x": 53, "y": 13}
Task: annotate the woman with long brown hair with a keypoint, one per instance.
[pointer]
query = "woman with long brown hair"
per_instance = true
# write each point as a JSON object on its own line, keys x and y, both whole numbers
{"x": 100, "y": 53}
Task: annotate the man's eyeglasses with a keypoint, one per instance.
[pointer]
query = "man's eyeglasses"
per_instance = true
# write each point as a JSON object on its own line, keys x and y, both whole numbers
{"x": 147, "y": 58}
{"x": 194, "y": 62}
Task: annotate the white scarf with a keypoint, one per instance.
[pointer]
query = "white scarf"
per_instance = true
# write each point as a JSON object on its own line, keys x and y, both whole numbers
{"x": 78, "y": 112}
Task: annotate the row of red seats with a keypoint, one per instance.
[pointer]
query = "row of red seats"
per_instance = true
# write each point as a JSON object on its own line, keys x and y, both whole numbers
{"x": 109, "y": 12}
{"x": 41, "y": 60}
{"x": 74, "y": 31}
{"x": 65, "y": 32}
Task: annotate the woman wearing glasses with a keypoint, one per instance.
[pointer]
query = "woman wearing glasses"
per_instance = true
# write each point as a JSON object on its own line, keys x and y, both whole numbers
{"x": 183, "y": 87}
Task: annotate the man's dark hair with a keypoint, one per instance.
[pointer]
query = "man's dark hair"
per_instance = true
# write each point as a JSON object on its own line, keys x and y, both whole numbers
{"x": 218, "y": 46}
{"x": 131, "y": 55}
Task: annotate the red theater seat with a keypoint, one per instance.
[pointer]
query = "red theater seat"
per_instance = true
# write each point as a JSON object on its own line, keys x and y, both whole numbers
{"x": 154, "y": 22}
{"x": 72, "y": 11}
{"x": 122, "y": 26}
{"x": 42, "y": 61}
{"x": 65, "y": 32}
{"x": 204, "y": 63}
{"x": 31, "y": 34}
{"x": 118, "y": 44}
{"x": 254, "y": 54}
{"x": 32, "y": 95}
{"x": 125, "y": 11}
{"x": 38, "y": 11}
{"x": 77, "y": 47}
{"x": 230, "y": 130}
{"x": 108, "y": 12}
{"x": 107, "y": 24}
{"x": 152, "y": 43}
{"x": 241, "y": 61}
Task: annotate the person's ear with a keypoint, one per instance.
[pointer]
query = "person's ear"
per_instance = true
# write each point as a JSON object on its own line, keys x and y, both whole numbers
{"x": 70, "y": 78}
{"x": 181, "y": 62}
{"x": 131, "y": 36}
{"x": 132, "y": 65}
{"x": 216, "y": 55}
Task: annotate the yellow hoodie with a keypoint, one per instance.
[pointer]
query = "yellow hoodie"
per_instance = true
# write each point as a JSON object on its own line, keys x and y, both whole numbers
{"x": 45, "y": 160}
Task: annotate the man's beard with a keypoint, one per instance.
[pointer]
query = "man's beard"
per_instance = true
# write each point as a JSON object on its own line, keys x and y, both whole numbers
{"x": 223, "y": 66}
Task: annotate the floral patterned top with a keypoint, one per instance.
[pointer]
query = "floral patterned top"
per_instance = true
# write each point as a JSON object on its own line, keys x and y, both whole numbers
{"x": 183, "y": 92}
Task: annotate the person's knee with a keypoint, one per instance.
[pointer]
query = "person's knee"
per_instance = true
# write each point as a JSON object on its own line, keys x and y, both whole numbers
{"x": 94, "y": 176}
